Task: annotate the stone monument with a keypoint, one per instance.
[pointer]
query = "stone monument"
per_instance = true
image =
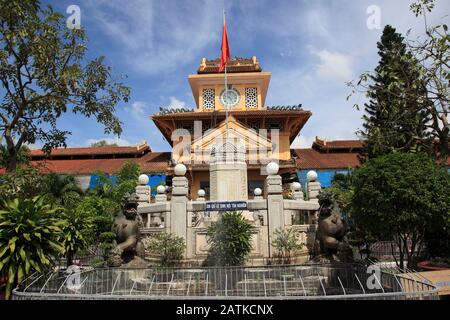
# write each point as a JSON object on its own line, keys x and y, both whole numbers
{"x": 228, "y": 171}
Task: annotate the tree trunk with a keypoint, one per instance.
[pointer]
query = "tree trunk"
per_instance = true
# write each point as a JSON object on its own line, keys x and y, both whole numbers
{"x": 12, "y": 160}
{"x": 402, "y": 253}
{"x": 69, "y": 258}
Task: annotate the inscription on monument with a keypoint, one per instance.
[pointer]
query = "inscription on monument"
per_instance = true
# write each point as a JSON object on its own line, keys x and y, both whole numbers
{"x": 225, "y": 206}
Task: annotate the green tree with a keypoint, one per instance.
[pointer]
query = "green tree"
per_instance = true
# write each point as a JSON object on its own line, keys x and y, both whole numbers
{"x": 100, "y": 213}
{"x": 127, "y": 180}
{"x": 30, "y": 233}
{"x": 169, "y": 247}
{"x": 75, "y": 231}
{"x": 44, "y": 74}
{"x": 341, "y": 184}
{"x": 401, "y": 196}
{"x": 62, "y": 189}
{"x": 129, "y": 171}
{"x": 433, "y": 52}
{"x": 103, "y": 143}
{"x": 422, "y": 88}
{"x": 25, "y": 182}
{"x": 395, "y": 116}
{"x": 230, "y": 239}
{"x": 22, "y": 155}
{"x": 286, "y": 244}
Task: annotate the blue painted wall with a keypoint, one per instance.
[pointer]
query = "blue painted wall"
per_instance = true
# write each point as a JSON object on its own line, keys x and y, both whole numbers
{"x": 153, "y": 181}
{"x": 324, "y": 176}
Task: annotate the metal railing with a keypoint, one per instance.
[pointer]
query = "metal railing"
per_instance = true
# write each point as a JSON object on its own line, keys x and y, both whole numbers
{"x": 312, "y": 281}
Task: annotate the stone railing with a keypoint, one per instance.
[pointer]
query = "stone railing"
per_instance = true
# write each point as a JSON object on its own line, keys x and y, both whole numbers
{"x": 190, "y": 219}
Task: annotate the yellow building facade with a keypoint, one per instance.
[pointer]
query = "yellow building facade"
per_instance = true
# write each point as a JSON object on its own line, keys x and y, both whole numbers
{"x": 239, "y": 111}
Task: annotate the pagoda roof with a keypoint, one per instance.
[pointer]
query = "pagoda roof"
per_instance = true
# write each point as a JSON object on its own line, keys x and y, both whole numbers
{"x": 92, "y": 152}
{"x": 337, "y": 145}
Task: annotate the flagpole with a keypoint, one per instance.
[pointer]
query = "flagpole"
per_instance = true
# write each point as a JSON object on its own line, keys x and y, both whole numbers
{"x": 226, "y": 86}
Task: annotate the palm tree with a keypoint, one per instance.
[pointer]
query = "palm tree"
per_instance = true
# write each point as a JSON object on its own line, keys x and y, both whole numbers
{"x": 63, "y": 189}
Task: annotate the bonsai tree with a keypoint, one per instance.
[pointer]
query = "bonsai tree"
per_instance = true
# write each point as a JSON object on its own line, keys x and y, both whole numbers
{"x": 168, "y": 246}
{"x": 30, "y": 238}
{"x": 401, "y": 196}
{"x": 286, "y": 243}
{"x": 230, "y": 239}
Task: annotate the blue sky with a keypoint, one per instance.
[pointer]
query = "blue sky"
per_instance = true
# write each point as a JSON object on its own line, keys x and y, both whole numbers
{"x": 311, "y": 47}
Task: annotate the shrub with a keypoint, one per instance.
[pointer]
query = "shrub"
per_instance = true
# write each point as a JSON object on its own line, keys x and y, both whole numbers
{"x": 30, "y": 238}
{"x": 230, "y": 239}
{"x": 168, "y": 246}
{"x": 286, "y": 243}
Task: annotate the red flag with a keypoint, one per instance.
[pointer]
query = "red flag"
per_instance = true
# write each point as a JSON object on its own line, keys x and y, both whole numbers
{"x": 225, "y": 55}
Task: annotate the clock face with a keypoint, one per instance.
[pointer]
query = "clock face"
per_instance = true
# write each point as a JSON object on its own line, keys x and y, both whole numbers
{"x": 229, "y": 98}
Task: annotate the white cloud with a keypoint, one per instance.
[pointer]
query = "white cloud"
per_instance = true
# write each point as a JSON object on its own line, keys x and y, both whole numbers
{"x": 137, "y": 110}
{"x": 302, "y": 142}
{"x": 334, "y": 65}
{"x": 156, "y": 36}
{"x": 175, "y": 103}
{"x": 118, "y": 141}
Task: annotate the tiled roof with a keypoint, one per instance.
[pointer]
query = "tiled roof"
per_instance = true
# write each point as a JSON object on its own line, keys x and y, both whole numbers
{"x": 84, "y": 166}
{"x": 314, "y": 159}
{"x": 155, "y": 161}
{"x": 284, "y": 108}
{"x": 166, "y": 110}
{"x": 92, "y": 151}
{"x": 337, "y": 144}
{"x": 151, "y": 162}
{"x": 247, "y": 113}
{"x": 233, "y": 66}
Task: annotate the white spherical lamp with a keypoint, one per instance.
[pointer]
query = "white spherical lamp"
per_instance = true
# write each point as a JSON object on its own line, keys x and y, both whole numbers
{"x": 180, "y": 169}
{"x": 161, "y": 189}
{"x": 311, "y": 175}
{"x": 201, "y": 193}
{"x": 272, "y": 168}
{"x": 143, "y": 179}
{"x": 257, "y": 192}
{"x": 296, "y": 186}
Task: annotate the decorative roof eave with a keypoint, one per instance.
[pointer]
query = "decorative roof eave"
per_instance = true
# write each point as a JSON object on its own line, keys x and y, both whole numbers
{"x": 238, "y": 113}
{"x": 166, "y": 123}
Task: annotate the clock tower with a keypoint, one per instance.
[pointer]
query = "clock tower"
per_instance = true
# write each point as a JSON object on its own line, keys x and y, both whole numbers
{"x": 257, "y": 126}
{"x": 247, "y": 85}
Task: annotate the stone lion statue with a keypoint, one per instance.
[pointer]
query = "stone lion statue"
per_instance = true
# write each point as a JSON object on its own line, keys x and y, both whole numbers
{"x": 331, "y": 229}
{"x": 128, "y": 243}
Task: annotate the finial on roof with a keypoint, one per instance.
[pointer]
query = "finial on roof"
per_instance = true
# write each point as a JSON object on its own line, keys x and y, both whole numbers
{"x": 321, "y": 141}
